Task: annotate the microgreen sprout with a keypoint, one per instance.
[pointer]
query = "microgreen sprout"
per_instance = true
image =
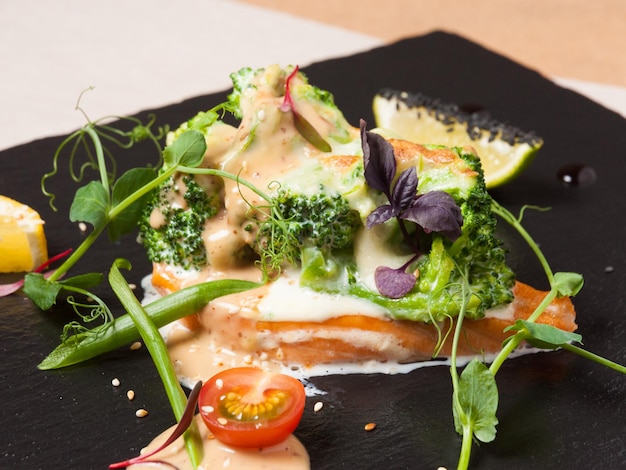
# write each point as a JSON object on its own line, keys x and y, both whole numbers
{"x": 434, "y": 211}
{"x": 475, "y": 392}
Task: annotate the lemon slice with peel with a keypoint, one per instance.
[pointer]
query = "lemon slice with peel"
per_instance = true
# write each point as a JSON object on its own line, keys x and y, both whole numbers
{"x": 22, "y": 239}
{"x": 504, "y": 150}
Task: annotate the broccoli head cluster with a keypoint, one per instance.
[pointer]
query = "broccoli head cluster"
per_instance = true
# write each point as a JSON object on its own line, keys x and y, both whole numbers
{"x": 323, "y": 221}
{"x": 174, "y": 233}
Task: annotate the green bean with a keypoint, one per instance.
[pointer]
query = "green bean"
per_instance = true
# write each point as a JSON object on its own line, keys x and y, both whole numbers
{"x": 158, "y": 351}
{"x": 122, "y": 330}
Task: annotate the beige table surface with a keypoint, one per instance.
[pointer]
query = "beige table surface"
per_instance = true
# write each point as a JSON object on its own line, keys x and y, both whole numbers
{"x": 580, "y": 39}
{"x": 149, "y": 53}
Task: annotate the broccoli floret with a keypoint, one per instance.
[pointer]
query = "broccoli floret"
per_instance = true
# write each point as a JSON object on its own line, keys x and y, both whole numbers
{"x": 476, "y": 257}
{"x": 174, "y": 235}
{"x": 478, "y": 249}
{"x": 322, "y": 221}
{"x": 241, "y": 80}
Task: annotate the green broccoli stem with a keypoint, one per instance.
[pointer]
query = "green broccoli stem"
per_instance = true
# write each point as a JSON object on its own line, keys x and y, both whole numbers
{"x": 158, "y": 350}
{"x": 122, "y": 331}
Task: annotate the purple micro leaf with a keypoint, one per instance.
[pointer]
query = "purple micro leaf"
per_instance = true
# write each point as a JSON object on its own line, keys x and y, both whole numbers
{"x": 436, "y": 211}
{"x": 405, "y": 190}
{"x": 304, "y": 127}
{"x": 8, "y": 289}
{"x": 185, "y": 421}
{"x": 379, "y": 162}
{"x": 393, "y": 283}
{"x": 380, "y": 215}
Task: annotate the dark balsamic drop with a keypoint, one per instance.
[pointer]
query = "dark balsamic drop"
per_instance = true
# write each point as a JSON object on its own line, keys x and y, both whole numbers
{"x": 472, "y": 108}
{"x": 576, "y": 174}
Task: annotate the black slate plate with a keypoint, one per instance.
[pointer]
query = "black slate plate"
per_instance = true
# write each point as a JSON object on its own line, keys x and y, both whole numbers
{"x": 556, "y": 410}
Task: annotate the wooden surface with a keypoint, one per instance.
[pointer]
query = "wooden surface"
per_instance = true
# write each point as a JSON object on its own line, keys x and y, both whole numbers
{"x": 579, "y": 39}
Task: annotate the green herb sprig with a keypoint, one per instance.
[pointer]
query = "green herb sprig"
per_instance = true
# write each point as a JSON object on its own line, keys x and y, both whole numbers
{"x": 475, "y": 391}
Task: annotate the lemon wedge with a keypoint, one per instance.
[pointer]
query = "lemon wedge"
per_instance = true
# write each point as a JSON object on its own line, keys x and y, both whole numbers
{"x": 22, "y": 239}
{"x": 504, "y": 150}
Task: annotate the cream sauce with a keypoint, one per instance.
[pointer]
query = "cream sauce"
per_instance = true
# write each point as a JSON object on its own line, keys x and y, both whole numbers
{"x": 288, "y": 455}
{"x": 265, "y": 148}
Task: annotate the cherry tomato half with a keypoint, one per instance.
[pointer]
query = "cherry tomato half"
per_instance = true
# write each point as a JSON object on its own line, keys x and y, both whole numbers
{"x": 249, "y": 407}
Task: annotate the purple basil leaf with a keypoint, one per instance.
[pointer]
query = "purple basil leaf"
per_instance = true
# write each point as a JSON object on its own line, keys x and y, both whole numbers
{"x": 379, "y": 161}
{"x": 405, "y": 189}
{"x": 393, "y": 283}
{"x": 436, "y": 211}
{"x": 380, "y": 215}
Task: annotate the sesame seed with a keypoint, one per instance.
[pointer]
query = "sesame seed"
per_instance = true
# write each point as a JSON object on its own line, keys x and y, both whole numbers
{"x": 222, "y": 421}
{"x": 132, "y": 286}
{"x": 247, "y": 359}
{"x": 208, "y": 409}
{"x": 141, "y": 413}
{"x": 609, "y": 269}
{"x": 82, "y": 226}
{"x": 136, "y": 345}
{"x": 370, "y": 426}
{"x": 318, "y": 406}
{"x": 130, "y": 395}
{"x": 115, "y": 382}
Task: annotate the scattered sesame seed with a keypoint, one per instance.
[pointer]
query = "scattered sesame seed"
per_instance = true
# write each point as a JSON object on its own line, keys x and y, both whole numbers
{"x": 280, "y": 355}
{"x": 210, "y": 437}
{"x": 136, "y": 345}
{"x": 609, "y": 269}
{"x": 115, "y": 382}
{"x": 130, "y": 395}
{"x": 222, "y": 421}
{"x": 82, "y": 226}
{"x": 141, "y": 413}
{"x": 263, "y": 356}
{"x": 132, "y": 286}
{"x": 318, "y": 406}
{"x": 247, "y": 359}
{"x": 370, "y": 426}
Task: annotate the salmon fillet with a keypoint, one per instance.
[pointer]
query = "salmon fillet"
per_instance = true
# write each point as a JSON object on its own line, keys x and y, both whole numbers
{"x": 355, "y": 338}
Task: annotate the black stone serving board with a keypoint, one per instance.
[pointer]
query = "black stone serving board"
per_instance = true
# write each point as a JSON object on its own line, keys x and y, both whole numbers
{"x": 556, "y": 410}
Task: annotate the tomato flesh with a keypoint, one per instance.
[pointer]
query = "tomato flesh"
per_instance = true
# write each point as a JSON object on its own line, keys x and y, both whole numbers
{"x": 249, "y": 407}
